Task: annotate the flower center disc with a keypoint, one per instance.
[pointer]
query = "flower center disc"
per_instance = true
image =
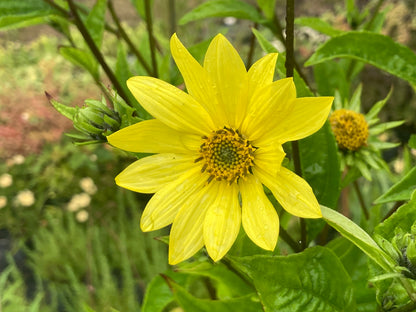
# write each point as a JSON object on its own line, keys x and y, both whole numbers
{"x": 226, "y": 155}
{"x": 350, "y": 129}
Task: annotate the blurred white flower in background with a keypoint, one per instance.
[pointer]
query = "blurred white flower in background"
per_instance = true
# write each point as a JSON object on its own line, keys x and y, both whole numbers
{"x": 79, "y": 201}
{"x": 6, "y": 180}
{"x": 3, "y": 201}
{"x": 82, "y": 216}
{"x": 88, "y": 185}
{"x": 25, "y": 198}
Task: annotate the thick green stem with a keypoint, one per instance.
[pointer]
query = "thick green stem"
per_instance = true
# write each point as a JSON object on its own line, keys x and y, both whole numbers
{"x": 94, "y": 49}
{"x": 149, "y": 23}
{"x": 126, "y": 38}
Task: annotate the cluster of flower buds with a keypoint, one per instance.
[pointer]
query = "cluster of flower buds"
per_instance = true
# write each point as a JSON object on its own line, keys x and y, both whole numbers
{"x": 402, "y": 249}
{"x": 95, "y": 120}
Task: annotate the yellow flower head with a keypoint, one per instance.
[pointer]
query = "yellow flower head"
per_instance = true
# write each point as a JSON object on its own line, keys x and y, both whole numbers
{"x": 215, "y": 147}
{"x": 350, "y": 129}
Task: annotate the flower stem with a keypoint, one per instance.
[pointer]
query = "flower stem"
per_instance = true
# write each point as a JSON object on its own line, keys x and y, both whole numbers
{"x": 149, "y": 23}
{"x": 361, "y": 200}
{"x": 290, "y": 64}
{"x": 172, "y": 17}
{"x": 94, "y": 49}
{"x": 289, "y": 240}
{"x": 250, "y": 54}
{"x": 126, "y": 38}
{"x": 393, "y": 209}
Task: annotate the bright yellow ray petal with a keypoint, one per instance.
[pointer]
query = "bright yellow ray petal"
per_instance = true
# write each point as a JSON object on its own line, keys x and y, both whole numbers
{"x": 152, "y": 136}
{"x": 223, "y": 220}
{"x": 229, "y": 76}
{"x": 186, "y": 235}
{"x": 261, "y": 73}
{"x": 150, "y": 174}
{"x": 162, "y": 208}
{"x": 266, "y": 105}
{"x": 170, "y": 105}
{"x": 259, "y": 218}
{"x": 292, "y": 192}
{"x": 306, "y": 117}
{"x": 197, "y": 81}
{"x": 269, "y": 158}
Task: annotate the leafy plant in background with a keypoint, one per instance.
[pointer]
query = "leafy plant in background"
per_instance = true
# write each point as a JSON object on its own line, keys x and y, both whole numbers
{"x": 297, "y": 275}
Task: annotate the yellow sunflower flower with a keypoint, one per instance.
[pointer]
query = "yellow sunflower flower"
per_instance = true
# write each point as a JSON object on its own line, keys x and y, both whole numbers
{"x": 215, "y": 147}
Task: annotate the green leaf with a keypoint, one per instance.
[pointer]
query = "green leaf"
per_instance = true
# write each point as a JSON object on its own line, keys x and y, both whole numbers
{"x": 402, "y": 190}
{"x": 96, "y": 20}
{"x": 157, "y": 296}
{"x": 412, "y": 141}
{"x": 267, "y": 6}
{"x": 355, "y": 102}
{"x": 68, "y": 111}
{"x": 371, "y": 116}
{"x": 223, "y": 8}
{"x": 16, "y": 14}
{"x": 355, "y": 263}
{"x": 247, "y": 303}
{"x": 375, "y": 49}
{"x": 383, "y": 127}
{"x": 319, "y": 25}
{"x": 329, "y": 77}
{"x": 320, "y": 165}
{"x": 358, "y": 237}
{"x": 264, "y": 43}
{"x": 313, "y": 280}
{"x": 81, "y": 58}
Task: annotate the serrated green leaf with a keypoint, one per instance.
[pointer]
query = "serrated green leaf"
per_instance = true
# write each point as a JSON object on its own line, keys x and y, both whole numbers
{"x": 358, "y": 237}
{"x": 402, "y": 190}
{"x": 67, "y": 111}
{"x": 247, "y": 303}
{"x": 17, "y": 14}
{"x": 96, "y": 20}
{"x": 223, "y": 8}
{"x": 375, "y": 49}
{"x": 310, "y": 281}
{"x": 319, "y": 25}
{"x": 81, "y": 58}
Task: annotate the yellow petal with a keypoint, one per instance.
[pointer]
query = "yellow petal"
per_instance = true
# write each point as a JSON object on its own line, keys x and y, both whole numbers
{"x": 229, "y": 76}
{"x": 162, "y": 208}
{"x": 292, "y": 192}
{"x": 152, "y": 136}
{"x": 150, "y": 174}
{"x": 175, "y": 108}
{"x": 307, "y": 116}
{"x": 261, "y": 73}
{"x": 222, "y": 222}
{"x": 269, "y": 158}
{"x": 259, "y": 218}
{"x": 197, "y": 81}
{"x": 266, "y": 105}
{"x": 186, "y": 235}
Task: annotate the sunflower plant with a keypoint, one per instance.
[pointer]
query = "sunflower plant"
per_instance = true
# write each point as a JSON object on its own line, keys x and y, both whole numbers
{"x": 238, "y": 157}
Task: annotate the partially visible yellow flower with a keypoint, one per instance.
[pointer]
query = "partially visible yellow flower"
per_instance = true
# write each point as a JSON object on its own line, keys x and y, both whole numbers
{"x": 216, "y": 146}
{"x": 359, "y": 136}
{"x": 25, "y": 198}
